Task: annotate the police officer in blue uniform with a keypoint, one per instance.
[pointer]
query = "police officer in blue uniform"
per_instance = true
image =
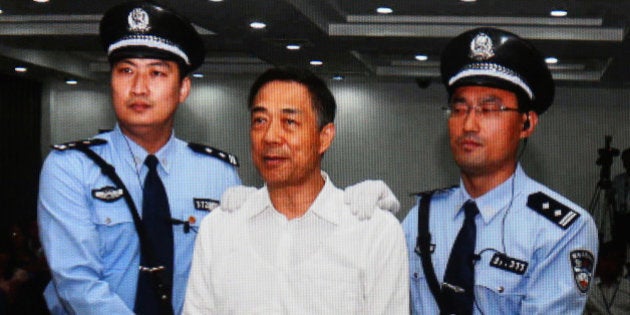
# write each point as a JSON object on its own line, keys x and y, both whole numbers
{"x": 88, "y": 232}
{"x": 500, "y": 242}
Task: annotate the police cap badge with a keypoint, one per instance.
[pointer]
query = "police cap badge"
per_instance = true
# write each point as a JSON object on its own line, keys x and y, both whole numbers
{"x": 497, "y": 58}
{"x": 141, "y": 29}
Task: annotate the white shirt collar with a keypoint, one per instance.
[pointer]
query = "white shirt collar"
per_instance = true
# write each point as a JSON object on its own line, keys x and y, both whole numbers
{"x": 324, "y": 206}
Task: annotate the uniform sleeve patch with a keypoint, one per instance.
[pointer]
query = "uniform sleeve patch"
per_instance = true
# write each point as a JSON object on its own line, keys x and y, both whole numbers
{"x": 553, "y": 210}
{"x": 214, "y": 152}
{"x": 74, "y": 144}
{"x": 582, "y": 263}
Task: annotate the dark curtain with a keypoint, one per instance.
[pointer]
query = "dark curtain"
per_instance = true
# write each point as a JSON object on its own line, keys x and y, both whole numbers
{"x": 20, "y": 157}
{"x": 22, "y": 266}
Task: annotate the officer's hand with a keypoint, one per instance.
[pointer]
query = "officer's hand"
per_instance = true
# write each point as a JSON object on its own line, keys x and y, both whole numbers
{"x": 367, "y": 195}
{"x": 234, "y": 197}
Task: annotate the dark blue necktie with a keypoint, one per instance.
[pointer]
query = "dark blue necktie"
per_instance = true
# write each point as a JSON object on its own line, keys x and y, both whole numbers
{"x": 459, "y": 278}
{"x": 156, "y": 218}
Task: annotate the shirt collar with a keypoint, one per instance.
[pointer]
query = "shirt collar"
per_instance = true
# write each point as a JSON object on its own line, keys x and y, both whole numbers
{"x": 135, "y": 154}
{"x": 496, "y": 200}
{"x": 324, "y": 206}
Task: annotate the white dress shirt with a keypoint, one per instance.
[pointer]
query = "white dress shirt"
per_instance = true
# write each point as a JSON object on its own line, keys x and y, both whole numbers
{"x": 255, "y": 261}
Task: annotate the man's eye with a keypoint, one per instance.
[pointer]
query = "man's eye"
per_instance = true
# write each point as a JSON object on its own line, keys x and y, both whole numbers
{"x": 459, "y": 108}
{"x": 291, "y": 122}
{"x": 125, "y": 70}
{"x": 490, "y": 107}
{"x": 257, "y": 120}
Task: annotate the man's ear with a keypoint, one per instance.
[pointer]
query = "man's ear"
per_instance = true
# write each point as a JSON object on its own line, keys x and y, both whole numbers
{"x": 530, "y": 121}
{"x": 326, "y": 136}
{"x": 184, "y": 89}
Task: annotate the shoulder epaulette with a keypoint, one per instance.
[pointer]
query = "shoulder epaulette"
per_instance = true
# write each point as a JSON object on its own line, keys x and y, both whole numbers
{"x": 553, "y": 210}
{"x": 208, "y": 150}
{"x": 74, "y": 144}
{"x": 434, "y": 191}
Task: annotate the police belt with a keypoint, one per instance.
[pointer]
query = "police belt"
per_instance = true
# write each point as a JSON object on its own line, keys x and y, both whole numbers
{"x": 423, "y": 243}
{"x": 161, "y": 290}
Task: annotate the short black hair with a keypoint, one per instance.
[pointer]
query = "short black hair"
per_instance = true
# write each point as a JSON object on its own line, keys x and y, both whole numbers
{"x": 321, "y": 98}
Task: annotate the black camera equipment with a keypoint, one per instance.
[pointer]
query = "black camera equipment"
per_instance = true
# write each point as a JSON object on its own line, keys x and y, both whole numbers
{"x": 605, "y": 209}
{"x": 606, "y": 155}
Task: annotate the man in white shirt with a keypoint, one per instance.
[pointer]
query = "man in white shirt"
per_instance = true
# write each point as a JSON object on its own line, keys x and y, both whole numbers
{"x": 293, "y": 247}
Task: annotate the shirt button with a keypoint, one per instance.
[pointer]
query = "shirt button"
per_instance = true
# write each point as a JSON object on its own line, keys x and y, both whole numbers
{"x": 415, "y": 275}
{"x": 108, "y": 220}
{"x": 501, "y": 289}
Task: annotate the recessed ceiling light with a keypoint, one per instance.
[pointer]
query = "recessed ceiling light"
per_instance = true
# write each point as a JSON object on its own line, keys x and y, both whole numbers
{"x": 558, "y": 13}
{"x": 316, "y": 62}
{"x": 293, "y": 47}
{"x": 384, "y": 10}
{"x": 216, "y": 0}
{"x": 41, "y": 1}
{"x": 551, "y": 60}
{"x": 71, "y": 82}
{"x": 257, "y": 25}
{"x": 421, "y": 57}
{"x": 468, "y": 0}
{"x": 20, "y": 69}
{"x": 337, "y": 77}
{"x": 1, "y": 11}
{"x": 197, "y": 75}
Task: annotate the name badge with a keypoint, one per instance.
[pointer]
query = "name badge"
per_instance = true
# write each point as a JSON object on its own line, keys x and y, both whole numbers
{"x": 205, "y": 204}
{"x": 507, "y": 263}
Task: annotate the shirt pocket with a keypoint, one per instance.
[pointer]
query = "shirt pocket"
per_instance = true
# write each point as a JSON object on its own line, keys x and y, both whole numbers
{"x": 499, "y": 289}
{"x": 116, "y": 232}
{"x": 191, "y": 210}
{"x": 421, "y": 296}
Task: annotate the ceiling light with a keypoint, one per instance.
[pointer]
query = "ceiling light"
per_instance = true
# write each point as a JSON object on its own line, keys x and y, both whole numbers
{"x": 421, "y": 57}
{"x": 1, "y": 11}
{"x": 216, "y": 0}
{"x": 468, "y": 0}
{"x": 71, "y": 82}
{"x": 551, "y": 60}
{"x": 197, "y": 75}
{"x": 337, "y": 77}
{"x": 316, "y": 62}
{"x": 384, "y": 10}
{"x": 20, "y": 69}
{"x": 41, "y": 1}
{"x": 257, "y": 25}
{"x": 558, "y": 13}
{"x": 293, "y": 47}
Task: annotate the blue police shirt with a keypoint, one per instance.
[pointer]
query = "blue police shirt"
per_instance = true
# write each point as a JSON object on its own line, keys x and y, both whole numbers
{"x": 88, "y": 233}
{"x": 549, "y": 263}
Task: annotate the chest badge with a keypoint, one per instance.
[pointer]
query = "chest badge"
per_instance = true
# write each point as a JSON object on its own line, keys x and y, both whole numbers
{"x": 205, "y": 204}
{"x": 507, "y": 263}
{"x": 107, "y": 193}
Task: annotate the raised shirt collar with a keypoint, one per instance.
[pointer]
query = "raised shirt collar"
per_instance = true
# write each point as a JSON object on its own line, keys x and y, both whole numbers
{"x": 325, "y": 206}
{"x": 135, "y": 155}
{"x": 498, "y": 199}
